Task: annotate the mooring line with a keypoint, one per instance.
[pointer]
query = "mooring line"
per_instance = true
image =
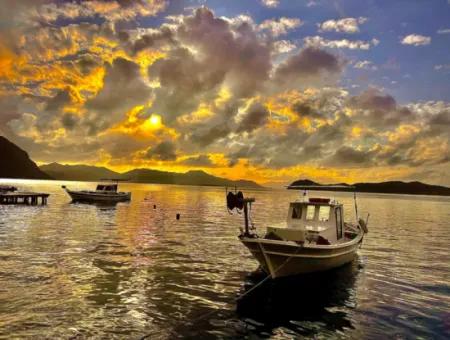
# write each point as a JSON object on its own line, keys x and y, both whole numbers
{"x": 248, "y": 291}
{"x": 202, "y": 317}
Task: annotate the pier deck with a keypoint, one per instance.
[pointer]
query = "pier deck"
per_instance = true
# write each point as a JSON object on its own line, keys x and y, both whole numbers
{"x": 18, "y": 197}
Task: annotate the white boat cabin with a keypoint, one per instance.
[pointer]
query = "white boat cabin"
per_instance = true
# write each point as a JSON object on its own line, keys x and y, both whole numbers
{"x": 106, "y": 188}
{"x": 317, "y": 220}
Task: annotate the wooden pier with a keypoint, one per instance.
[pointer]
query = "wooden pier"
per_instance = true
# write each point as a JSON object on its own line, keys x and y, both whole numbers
{"x": 18, "y": 197}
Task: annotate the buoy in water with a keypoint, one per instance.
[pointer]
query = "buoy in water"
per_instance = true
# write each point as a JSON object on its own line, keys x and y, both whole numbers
{"x": 178, "y": 216}
{"x": 154, "y": 206}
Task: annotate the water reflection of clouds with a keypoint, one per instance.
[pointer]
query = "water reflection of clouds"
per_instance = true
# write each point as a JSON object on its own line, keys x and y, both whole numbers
{"x": 137, "y": 270}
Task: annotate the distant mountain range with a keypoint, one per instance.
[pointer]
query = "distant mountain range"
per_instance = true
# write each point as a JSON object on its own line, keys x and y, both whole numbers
{"x": 78, "y": 172}
{"x": 15, "y": 162}
{"x": 392, "y": 187}
{"x": 93, "y": 173}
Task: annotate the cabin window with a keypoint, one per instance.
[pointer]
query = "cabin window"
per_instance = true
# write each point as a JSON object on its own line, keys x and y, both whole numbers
{"x": 310, "y": 211}
{"x": 324, "y": 213}
{"x": 338, "y": 213}
{"x": 296, "y": 212}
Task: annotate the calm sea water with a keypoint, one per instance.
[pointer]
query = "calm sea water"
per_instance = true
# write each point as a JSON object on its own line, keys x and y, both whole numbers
{"x": 131, "y": 271}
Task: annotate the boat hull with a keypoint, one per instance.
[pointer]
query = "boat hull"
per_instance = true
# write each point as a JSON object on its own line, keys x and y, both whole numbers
{"x": 281, "y": 258}
{"x": 98, "y": 197}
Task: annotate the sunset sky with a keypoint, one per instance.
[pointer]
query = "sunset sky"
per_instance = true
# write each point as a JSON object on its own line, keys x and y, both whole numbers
{"x": 355, "y": 90}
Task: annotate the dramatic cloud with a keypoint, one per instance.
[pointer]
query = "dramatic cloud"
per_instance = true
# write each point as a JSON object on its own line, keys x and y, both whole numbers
{"x": 378, "y": 109}
{"x": 416, "y": 40}
{"x": 346, "y": 25}
{"x": 318, "y": 41}
{"x": 110, "y": 10}
{"x": 283, "y": 46}
{"x": 100, "y": 82}
{"x": 308, "y": 65}
{"x": 210, "y": 55}
{"x": 348, "y": 157}
{"x": 123, "y": 89}
{"x": 198, "y": 161}
{"x": 280, "y": 26}
{"x": 256, "y": 116}
{"x": 164, "y": 151}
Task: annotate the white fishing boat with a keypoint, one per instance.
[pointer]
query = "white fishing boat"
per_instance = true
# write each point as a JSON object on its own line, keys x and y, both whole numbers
{"x": 106, "y": 193}
{"x": 314, "y": 238}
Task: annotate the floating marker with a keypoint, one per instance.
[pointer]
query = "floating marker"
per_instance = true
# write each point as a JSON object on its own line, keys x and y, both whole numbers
{"x": 154, "y": 206}
{"x": 178, "y": 216}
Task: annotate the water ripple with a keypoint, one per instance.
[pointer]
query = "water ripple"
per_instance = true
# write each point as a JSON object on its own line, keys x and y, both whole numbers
{"x": 129, "y": 270}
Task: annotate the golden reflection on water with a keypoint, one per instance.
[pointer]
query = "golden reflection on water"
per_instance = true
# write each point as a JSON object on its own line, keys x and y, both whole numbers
{"x": 129, "y": 270}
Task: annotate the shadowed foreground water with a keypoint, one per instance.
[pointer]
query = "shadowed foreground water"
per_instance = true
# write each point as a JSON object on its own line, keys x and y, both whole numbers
{"x": 129, "y": 271}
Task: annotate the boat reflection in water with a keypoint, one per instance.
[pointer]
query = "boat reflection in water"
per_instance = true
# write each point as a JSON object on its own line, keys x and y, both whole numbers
{"x": 296, "y": 305}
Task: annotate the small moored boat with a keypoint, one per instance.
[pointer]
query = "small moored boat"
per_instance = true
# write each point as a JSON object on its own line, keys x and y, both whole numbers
{"x": 104, "y": 193}
{"x": 315, "y": 237}
{"x": 7, "y": 188}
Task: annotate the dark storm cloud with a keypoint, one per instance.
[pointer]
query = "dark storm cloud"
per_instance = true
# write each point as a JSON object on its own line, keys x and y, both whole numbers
{"x": 309, "y": 65}
{"x": 376, "y": 108}
{"x": 305, "y": 110}
{"x": 164, "y": 151}
{"x": 185, "y": 82}
{"x": 9, "y": 109}
{"x": 348, "y": 157}
{"x": 264, "y": 148}
{"x": 241, "y": 152}
{"x": 296, "y": 145}
{"x": 69, "y": 121}
{"x": 123, "y": 89}
{"x": 121, "y": 146}
{"x": 256, "y": 116}
{"x": 205, "y": 134}
{"x": 200, "y": 160}
{"x": 122, "y": 85}
{"x": 57, "y": 102}
{"x": 86, "y": 63}
{"x": 237, "y": 50}
{"x": 155, "y": 39}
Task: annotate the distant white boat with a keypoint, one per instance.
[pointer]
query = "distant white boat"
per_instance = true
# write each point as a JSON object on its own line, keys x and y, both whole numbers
{"x": 315, "y": 237}
{"x": 103, "y": 193}
{"x": 7, "y": 188}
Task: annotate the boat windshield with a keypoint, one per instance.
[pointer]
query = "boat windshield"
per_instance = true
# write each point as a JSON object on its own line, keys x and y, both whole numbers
{"x": 102, "y": 187}
{"x": 310, "y": 211}
{"x": 324, "y": 213}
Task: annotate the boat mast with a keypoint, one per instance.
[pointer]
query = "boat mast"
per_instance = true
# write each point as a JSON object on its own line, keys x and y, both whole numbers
{"x": 247, "y": 202}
